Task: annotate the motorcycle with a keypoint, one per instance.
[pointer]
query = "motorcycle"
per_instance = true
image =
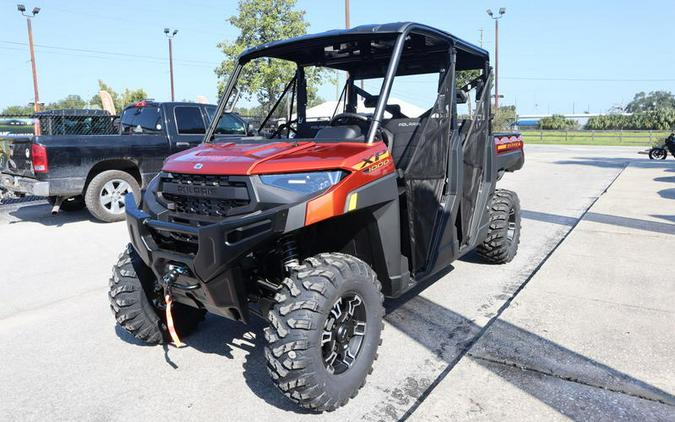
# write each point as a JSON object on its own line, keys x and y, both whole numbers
{"x": 661, "y": 152}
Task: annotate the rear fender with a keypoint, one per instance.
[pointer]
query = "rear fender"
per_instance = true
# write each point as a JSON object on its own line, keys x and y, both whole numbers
{"x": 509, "y": 154}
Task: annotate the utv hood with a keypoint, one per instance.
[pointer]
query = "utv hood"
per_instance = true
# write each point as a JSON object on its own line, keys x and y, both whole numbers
{"x": 272, "y": 157}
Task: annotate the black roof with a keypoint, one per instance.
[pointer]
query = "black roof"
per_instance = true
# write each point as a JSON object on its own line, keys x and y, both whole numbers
{"x": 345, "y": 49}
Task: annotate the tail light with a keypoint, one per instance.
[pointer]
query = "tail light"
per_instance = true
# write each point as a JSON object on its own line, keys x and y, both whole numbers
{"x": 39, "y": 157}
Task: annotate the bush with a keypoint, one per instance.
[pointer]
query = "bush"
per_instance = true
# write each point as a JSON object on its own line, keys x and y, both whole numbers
{"x": 661, "y": 119}
{"x": 503, "y": 118}
{"x": 557, "y": 122}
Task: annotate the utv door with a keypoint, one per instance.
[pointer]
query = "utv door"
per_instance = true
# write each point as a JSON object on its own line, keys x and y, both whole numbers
{"x": 447, "y": 180}
{"x": 477, "y": 167}
{"x": 425, "y": 175}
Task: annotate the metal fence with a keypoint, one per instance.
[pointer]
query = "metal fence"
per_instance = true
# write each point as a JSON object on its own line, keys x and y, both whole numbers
{"x": 60, "y": 122}
{"x": 600, "y": 137}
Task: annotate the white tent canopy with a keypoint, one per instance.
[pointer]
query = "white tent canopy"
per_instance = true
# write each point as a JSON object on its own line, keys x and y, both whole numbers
{"x": 324, "y": 111}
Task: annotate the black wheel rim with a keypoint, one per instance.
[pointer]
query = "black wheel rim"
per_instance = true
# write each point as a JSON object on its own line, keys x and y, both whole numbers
{"x": 343, "y": 333}
{"x": 511, "y": 232}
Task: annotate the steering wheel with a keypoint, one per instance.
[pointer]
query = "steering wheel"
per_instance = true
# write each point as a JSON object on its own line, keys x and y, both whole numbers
{"x": 363, "y": 122}
{"x": 344, "y": 118}
{"x": 285, "y": 126}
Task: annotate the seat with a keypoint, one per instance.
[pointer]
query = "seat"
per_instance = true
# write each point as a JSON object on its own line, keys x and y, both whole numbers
{"x": 339, "y": 133}
{"x": 402, "y": 133}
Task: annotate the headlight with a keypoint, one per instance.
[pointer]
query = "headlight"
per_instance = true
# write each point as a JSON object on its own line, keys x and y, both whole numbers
{"x": 304, "y": 182}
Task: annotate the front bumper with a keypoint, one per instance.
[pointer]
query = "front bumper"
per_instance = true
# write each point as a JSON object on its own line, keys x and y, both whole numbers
{"x": 214, "y": 281}
{"x": 20, "y": 184}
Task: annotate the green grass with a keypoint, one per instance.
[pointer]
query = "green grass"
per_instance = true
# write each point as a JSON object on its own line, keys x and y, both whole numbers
{"x": 605, "y": 138}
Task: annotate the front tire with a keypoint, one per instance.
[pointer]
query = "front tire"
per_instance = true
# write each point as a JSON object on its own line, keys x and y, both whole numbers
{"x": 324, "y": 331}
{"x": 135, "y": 299}
{"x": 501, "y": 244}
{"x": 105, "y": 194}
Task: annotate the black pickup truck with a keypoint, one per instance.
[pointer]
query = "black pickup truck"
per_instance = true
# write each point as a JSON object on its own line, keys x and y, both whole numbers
{"x": 96, "y": 171}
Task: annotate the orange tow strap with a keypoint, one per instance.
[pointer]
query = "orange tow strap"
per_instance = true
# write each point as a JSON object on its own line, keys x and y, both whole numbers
{"x": 169, "y": 323}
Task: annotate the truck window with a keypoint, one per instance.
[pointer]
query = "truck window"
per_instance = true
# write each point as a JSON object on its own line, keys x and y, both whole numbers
{"x": 189, "y": 121}
{"x": 141, "y": 120}
{"x": 229, "y": 124}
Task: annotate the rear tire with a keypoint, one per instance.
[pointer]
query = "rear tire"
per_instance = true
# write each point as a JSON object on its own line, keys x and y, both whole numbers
{"x": 132, "y": 292}
{"x": 332, "y": 302}
{"x": 501, "y": 244}
{"x": 74, "y": 203}
{"x": 111, "y": 186}
{"x": 658, "y": 154}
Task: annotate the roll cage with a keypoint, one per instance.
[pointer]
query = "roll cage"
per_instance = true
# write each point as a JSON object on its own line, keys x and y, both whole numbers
{"x": 365, "y": 52}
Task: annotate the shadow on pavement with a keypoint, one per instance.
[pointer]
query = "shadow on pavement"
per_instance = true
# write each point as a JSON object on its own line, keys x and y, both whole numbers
{"x": 665, "y": 179}
{"x": 220, "y": 336}
{"x": 615, "y": 162}
{"x": 632, "y": 223}
{"x": 41, "y": 213}
{"x": 667, "y": 193}
{"x": 549, "y": 218}
{"x": 570, "y": 383}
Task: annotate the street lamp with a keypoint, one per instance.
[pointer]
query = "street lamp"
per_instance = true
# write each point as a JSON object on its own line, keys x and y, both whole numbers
{"x": 170, "y": 34}
{"x": 501, "y": 12}
{"x": 29, "y": 16}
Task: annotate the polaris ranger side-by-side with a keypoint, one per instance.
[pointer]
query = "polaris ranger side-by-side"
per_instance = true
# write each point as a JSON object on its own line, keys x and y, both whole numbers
{"x": 312, "y": 227}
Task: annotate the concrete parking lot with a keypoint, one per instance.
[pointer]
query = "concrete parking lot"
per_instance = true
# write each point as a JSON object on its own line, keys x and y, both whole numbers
{"x": 580, "y": 325}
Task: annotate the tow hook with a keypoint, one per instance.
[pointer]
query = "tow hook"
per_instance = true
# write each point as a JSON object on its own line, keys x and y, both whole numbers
{"x": 167, "y": 282}
{"x": 57, "y": 204}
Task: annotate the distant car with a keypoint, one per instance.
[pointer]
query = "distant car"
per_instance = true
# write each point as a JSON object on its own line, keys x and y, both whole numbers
{"x": 15, "y": 122}
{"x": 90, "y": 158}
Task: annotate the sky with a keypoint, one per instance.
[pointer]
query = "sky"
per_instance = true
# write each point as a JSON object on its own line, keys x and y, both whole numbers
{"x": 554, "y": 57}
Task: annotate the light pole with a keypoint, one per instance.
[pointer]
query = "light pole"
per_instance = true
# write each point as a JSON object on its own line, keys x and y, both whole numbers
{"x": 347, "y": 14}
{"x": 348, "y": 24}
{"x": 29, "y": 16}
{"x": 502, "y": 10}
{"x": 169, "y": 34}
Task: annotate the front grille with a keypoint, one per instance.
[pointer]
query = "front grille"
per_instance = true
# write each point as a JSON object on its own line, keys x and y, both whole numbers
{"x": 203, "y": 195}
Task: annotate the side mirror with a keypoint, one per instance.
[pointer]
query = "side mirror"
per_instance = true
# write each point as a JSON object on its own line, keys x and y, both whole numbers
{"x": 250, "y": 130}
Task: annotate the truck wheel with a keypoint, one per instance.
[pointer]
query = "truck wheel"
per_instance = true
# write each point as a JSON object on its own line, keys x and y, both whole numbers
{"x": 324, "y": 331}
{"x": 136, "y": 302}
{"x": 74, "y": 203}
{"x": 105, "y": 194}
{"x": 501, "y": 243}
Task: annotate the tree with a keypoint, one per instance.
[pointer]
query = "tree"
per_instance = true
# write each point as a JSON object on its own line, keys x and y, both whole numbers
{"x": 503, "y": 118}
{"x": 18, "y": 110}
{"x": 71, "y": 101}
{"x": 655, "y": 100}
{"x": 557, "y": 122}
{"x": 128, "y": 96}
{"x": 259, "y": 22}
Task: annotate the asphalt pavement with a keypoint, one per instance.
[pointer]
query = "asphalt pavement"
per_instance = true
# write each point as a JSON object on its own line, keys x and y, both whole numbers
{"x": 579, "y": 325}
